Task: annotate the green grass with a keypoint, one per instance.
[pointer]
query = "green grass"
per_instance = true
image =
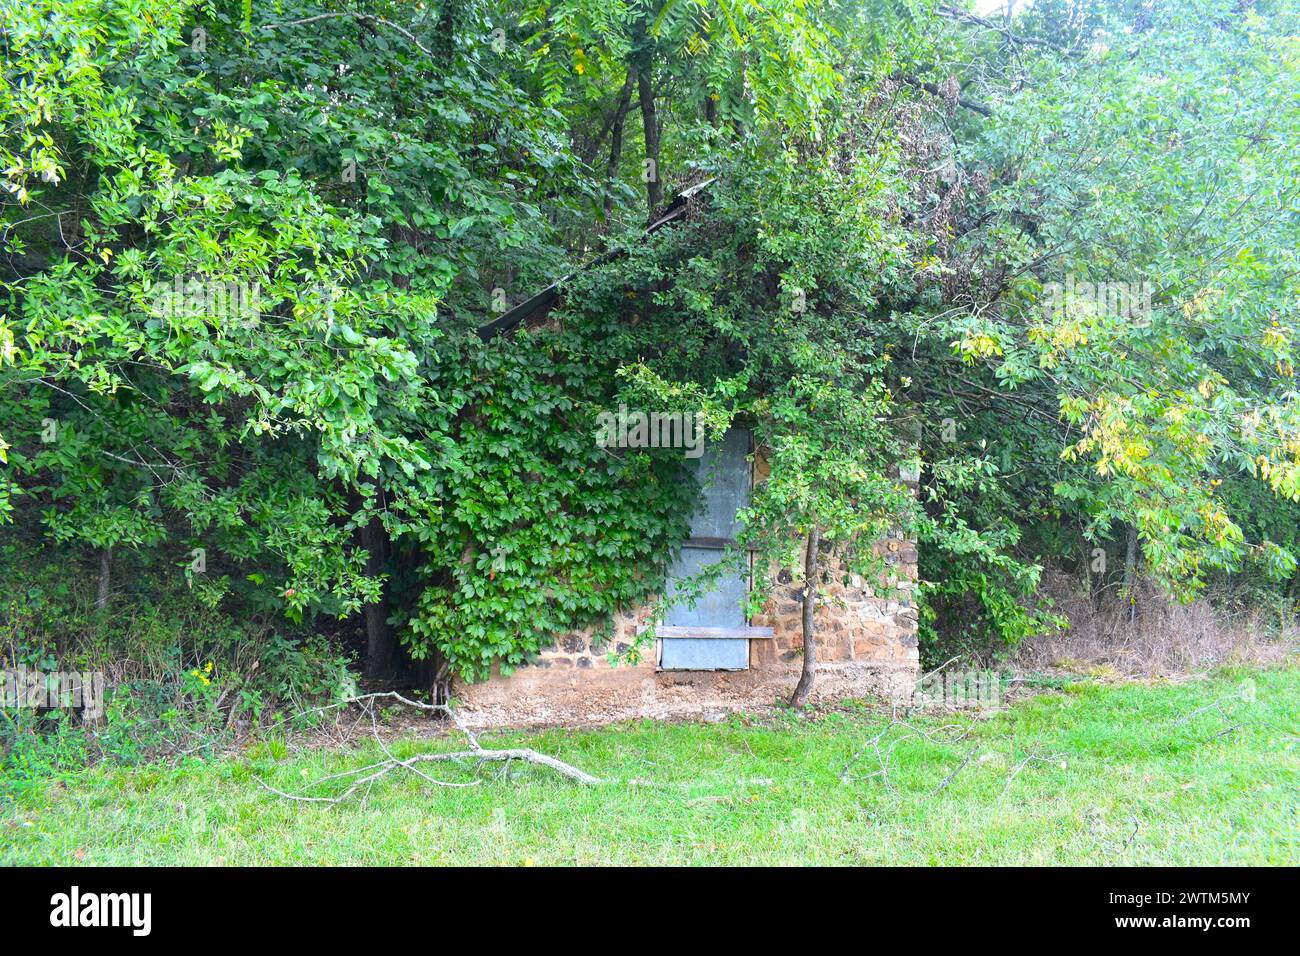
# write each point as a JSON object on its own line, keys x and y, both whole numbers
{"x": 1132, "y": 781}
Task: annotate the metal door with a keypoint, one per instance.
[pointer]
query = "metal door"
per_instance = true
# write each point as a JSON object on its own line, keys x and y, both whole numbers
{"x": 713, "y": 634}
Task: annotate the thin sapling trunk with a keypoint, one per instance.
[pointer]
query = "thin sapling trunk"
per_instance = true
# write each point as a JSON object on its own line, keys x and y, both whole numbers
{"x": 810, "y": 578}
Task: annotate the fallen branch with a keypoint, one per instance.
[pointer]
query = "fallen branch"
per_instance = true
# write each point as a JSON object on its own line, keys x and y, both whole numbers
{"x": 1212, "y": 705}
{"x": 1101, "y": 831}
{"x": 371, "y": 773}
{"x": 523, "y": 753}
{"x": 1217, "y": 706}
{"x": 948, "y": 779}
{"x": 1136, "y": 826}
{"x": 884, "y": 757}
{"x": 1033, "y": 757}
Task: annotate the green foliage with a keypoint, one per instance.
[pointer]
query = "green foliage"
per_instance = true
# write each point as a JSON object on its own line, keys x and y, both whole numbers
{"x": 245, "y": 253}
{"x": 178, "y": 676}
{"x": 1161, "y": 154}
{"x": 536, "y": 529}
{"x": 255, "y": 424}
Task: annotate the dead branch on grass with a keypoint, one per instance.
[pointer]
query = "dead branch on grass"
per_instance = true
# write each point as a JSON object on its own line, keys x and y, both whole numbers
{"x": 1227, "y": 726}
{"x": 1103, "y": 832}
{"x": 1212, "y": 705}
{"x": 1032, "y": 758}
{"x": 477, "y": 754}
{"x": 884, "y": 756}
{"x": 970, "y": 755}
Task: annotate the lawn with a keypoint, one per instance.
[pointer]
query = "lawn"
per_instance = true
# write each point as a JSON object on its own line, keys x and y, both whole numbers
{"x": 1198, "y": 772}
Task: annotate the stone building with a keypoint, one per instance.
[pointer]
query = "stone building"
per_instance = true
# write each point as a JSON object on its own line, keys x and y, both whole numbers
{"x": 708, "y": 659}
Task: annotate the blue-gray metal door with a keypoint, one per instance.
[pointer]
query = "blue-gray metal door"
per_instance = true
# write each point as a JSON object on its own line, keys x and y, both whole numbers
{"x": 724, "y": 472}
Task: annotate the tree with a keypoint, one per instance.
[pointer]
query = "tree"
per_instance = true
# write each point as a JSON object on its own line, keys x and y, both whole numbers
{"x": 247, "y": 253}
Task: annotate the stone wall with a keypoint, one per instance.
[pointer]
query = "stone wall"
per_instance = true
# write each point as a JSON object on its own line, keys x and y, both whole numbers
{"x": 866, "y": 646}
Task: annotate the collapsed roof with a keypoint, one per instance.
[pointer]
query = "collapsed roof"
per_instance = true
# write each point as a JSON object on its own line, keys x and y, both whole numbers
{"x": 546, "y": 298}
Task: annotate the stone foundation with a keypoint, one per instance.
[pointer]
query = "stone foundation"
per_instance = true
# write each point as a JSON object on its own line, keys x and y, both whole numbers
{"x": 866, "y": 646}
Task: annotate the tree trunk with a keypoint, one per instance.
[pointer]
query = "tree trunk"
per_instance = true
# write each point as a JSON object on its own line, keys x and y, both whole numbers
{"x": 810, "y": 578}
{"x": 1130, "y": 573}
{"x": 379, "y": 635}
{"x": 433, "y": 676}
{"x": 105, "y": 578}
{"x": 654, "y": 189}
{"x": 616, "y": 137}
{"x": 641, "y": 61}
